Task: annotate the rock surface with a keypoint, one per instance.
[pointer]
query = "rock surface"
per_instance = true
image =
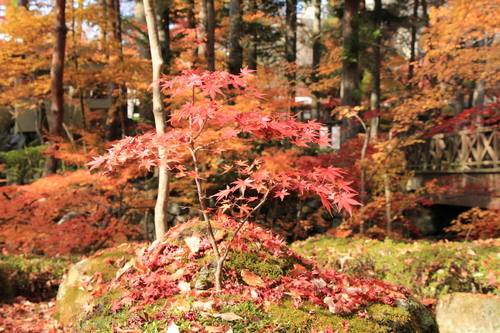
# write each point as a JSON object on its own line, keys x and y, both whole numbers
{"x": 468, "y": 313}
{"x": 78, "y": 284}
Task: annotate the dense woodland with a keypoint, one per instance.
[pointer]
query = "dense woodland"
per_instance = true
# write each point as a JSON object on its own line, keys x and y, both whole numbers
{"x": 250, "y": 94}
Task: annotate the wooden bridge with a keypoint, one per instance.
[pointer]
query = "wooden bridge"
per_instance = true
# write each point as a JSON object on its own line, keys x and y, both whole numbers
{"x": 469, "y": 160}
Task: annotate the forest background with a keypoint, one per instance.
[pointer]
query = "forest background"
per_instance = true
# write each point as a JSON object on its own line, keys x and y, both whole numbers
{"x": 382, "y": 75}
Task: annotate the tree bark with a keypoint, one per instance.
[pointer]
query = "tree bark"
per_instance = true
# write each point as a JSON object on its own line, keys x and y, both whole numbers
{"x": 316, "y": 57}
{"x": 251, "y": 48}
{"x": 164, "y": 18}
{"x": 413, "y": 42}
{"x": 161, "y": 207}
{"x": 56, "y": 86}
{"x": 479, "y": 91}
{"x": 235, "y": 61}
{"x": 116, "y": 123}
{"x": 202, "y": 28}
{"x": 377, "y": 60}
{"x": 362, "y": 192}
{"x": 291, "y": 48}
{"x": 210, "y": 35}
{"x": 349, "y": 78}
{"x": 388, "y": 203}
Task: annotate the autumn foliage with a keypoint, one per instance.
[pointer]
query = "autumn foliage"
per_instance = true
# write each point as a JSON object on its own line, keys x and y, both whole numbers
{"x": 72, "y": 213}
{"x": 207, "y": 123}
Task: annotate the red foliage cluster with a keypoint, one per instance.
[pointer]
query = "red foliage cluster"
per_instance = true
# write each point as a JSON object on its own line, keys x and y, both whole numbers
{"x": 69, "y": 213}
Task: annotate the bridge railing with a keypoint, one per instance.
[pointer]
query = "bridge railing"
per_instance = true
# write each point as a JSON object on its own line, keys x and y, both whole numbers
{"x": 465, "y": 151}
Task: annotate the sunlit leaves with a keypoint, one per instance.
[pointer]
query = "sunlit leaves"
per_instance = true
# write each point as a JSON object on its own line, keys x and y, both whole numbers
{"x": 205, "y": 122}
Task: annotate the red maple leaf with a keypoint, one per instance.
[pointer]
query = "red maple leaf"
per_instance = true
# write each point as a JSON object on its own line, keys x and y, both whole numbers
{"x": 242, "y": 185}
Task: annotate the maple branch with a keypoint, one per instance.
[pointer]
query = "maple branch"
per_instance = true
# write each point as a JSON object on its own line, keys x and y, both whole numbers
{"x": 203, "y": 208}
{"x": 220, "y": 262}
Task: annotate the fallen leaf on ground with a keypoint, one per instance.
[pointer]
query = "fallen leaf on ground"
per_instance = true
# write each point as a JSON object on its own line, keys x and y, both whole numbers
{"x": 252, "y": 279}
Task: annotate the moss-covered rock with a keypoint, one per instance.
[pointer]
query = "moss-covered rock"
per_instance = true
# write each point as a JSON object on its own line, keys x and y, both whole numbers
{"x": 266, "y": 288}
{"x": 85, "y": 276}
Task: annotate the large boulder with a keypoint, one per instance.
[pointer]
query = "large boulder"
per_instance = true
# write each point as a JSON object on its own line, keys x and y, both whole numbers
{"x": 266, "y": 288}
{"x": 83, "y": 277}
{"x": 468, "y": 313}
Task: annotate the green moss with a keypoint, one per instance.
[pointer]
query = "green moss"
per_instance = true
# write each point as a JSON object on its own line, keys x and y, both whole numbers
{"x": 283, "y": 318}
{"x": 381, "y": 318}
{"x": 429, "y": 269}
{"x": 74, "y": 292}
{"x": 262, "y": 264}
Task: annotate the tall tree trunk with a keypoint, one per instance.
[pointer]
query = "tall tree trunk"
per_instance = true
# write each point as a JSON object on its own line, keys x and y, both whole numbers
{"x": 424, "y": 10}
{"x": 210, "y": 35}
{"x": 161, "y": 208}
{"x": 478, "y": 96}
{"x": 202, "y": 28}
{"x": 139, "y": 17}
{"x": 413, "y": 41}
{"x": 251, "y": 48}
{"x": 291, "y": 47}
{"x": 116, "y": 121}
{"x": 191, "y": 23}
{"x": 458, "y": 108}
{"x": 164, "y": 17}
{"x": 377, "y": 60}
{"x": 56, "y": 86}
{"x": 316, "y": 56}
{"x": 235, "y": 61}
{"x": 349, "y": 78}
{"x": 388, "y": 203}
{"x": 362, "y": 192}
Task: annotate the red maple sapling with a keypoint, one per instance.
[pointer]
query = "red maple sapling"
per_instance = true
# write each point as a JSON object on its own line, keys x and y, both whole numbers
{"x": 208, "y": 123}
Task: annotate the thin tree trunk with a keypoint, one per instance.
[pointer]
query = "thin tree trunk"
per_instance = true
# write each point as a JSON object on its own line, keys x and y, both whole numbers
{"x": 139, "y": 17}
{"x": 202, "y": 28}
{"x": 315, "y": 111}
{"x": 251, "y": 48}
{"x": 161, "y": 208}
{"x": 362, "y": 192}
{"x": 388, "y": 204}
{"x": 291, "y": 48}
{"x": 349, "y": 77}
{"x": 478, "y": 96}
{"x": 413, "y": 42}
{"x": 377, "y": 60}
{"x": 210, "y": 35}
{"x": 56, "y": 87}
{"x": 458, "y": 108}
{"x": 424, "y": 10}
{"x": 116, "y": 122}
{"x": 235, "y": 61}
{"x": 164, "y": 18}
